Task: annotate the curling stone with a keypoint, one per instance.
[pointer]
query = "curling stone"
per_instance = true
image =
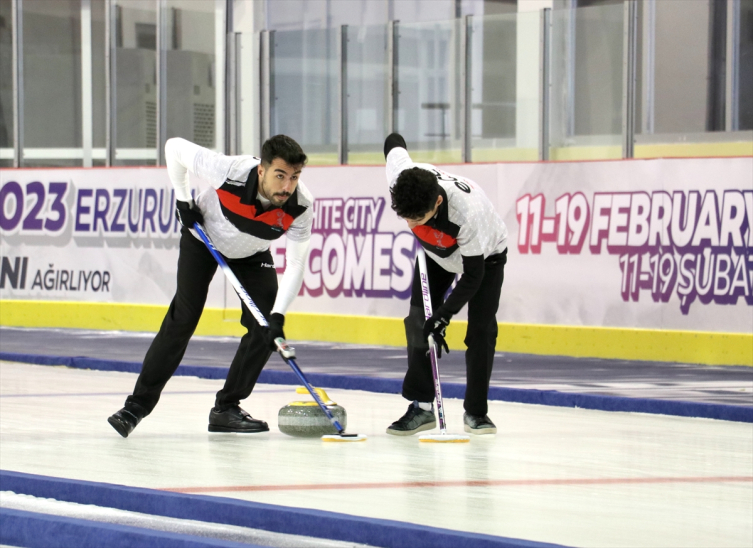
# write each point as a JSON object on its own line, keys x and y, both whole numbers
{"x": 306, "y": 419}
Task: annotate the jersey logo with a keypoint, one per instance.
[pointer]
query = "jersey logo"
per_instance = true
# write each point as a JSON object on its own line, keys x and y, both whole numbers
{"x": 276, "y": 218}
{"x": 435, "y": 240}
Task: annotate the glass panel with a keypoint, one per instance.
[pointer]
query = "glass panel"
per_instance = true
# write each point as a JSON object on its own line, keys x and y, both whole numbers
{"x": 191, "y": 72}
{"x": 428, "y": 106}
{"x": 682, "y": 80}
{"x": 586, "y": 75}
{"x": 135, "y": 61}
{"x": 304, "y": 91}
{"x": 52, "y": 82}
{"x": 368, "y": 120}
{"x": 6, "y": 83}
{"x": 745, "y": 68}
{"x": 676, "y": 83}
{"x": 505, "y": 87}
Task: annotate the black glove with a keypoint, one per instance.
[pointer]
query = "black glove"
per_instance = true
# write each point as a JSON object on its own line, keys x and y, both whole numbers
{"x": 188, "y": 213}
{"x": 436, "y": 326}
{"x": 276, "y": 321}
{"x": 393, "y": 140}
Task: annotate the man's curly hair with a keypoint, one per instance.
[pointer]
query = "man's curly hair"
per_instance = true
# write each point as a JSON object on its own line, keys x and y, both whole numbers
{"x": 415, "y": 193}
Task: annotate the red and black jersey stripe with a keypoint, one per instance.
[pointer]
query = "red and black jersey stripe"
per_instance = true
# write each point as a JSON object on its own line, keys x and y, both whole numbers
{"x": 240, "y": 207}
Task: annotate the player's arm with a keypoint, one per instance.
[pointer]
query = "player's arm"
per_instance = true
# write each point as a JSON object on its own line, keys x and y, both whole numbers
{"x": 180, "y": 156}
{"x": 467, "y": 286}
{"x": 183, "y": 156}
{"x": 296, "y": 253}
{"x": 473, "y": 267}
{"x": 396, "y": 156}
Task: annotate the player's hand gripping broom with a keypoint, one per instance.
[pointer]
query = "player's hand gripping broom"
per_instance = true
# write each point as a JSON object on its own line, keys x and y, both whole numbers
{"x": 286, "y": 352}
{"x": 443, "y": 436}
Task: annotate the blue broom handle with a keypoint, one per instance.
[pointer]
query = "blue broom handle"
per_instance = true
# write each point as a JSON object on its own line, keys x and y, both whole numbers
{"x": 282, "y": 347}
{"x": 285, "y": 351}
{"x": 239, "y": 289}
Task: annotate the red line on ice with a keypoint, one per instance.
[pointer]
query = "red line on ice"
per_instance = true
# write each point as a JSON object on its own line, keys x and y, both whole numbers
{"x": 459, "y": 483}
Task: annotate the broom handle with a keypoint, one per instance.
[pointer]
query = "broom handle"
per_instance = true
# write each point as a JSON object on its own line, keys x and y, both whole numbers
{"x": 286, "y": 352}
{"x": 239, "y": 289}
{"x": 432, "y": 345}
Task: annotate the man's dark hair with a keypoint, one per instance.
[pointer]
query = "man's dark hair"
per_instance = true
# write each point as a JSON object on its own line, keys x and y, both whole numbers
{"x": 415, "y": 193}
{"x": 285, "y": 148}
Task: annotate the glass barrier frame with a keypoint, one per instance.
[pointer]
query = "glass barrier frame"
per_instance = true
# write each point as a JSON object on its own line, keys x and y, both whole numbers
{"x": 460, "y": 66}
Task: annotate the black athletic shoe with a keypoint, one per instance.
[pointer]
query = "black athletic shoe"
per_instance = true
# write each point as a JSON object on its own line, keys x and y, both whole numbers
{"x": 478, "y": 424}
{"x": 414, "y": 420}
{"x": 235, "y": 420}
{"x": 125, "y": 420}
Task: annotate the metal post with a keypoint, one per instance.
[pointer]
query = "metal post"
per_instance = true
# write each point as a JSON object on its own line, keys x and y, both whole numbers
{"x": 230, "y": 81}
{"x": 232, "y": 85}
{"x": 466, "y": 35}
{"x": 570, "y": 40}
{"x": 18, "y": 82}
{"x": 232, "y": 43}
{"x": 392, "y": 82}
{"x": 630, "y": 31}
{"x": 161, "y": 81}
{"x": 86, "y": 82}
{"x": 342, "y": 107}
{"x": 110, "y": 89}
{"x": 732, "y": 84}
{"x": 545, "y": 40}
{"x": 648, "y": 77}
{"x": 267, "y": 43}
{"x": 221, "y": 8}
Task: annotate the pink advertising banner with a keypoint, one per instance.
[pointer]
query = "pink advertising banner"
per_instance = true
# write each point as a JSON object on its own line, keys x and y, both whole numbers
{"x": 657, "y": 244}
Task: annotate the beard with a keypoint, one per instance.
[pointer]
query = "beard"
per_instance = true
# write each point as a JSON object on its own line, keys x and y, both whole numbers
{"x": 280, "y": 198}
{"x": 277, "y": 199}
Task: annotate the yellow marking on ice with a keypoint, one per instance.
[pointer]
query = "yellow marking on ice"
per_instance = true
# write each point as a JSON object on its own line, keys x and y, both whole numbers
{"x": 445, "y": 439}
{"x": 337, "y": 439}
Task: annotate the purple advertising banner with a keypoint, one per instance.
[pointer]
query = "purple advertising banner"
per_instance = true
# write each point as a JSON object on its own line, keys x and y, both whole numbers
{"x": 656, "y": 244}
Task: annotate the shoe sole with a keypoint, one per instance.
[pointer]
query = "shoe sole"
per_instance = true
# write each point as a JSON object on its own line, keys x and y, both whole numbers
{"x": 479, "y": 431}
{"x": 229, "y": 430}
{"x": 119, "y": 427}
{"x": 427, "y": 426}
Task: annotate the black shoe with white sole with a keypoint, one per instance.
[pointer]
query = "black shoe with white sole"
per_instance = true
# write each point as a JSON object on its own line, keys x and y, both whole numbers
{"x": 235, "y": 420}
{"x": 415, "y": 420}
{"x": 478, "y": 424}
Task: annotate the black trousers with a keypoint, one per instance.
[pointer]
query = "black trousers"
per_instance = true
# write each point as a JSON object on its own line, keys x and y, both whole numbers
{"x": 480, "y": 338}
{"x": 196, "y": 267}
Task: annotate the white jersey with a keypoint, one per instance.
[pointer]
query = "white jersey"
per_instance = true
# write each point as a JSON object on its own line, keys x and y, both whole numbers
{"x": 466, "y": 223}
{"x": 234, "y": 217}
{"x": 237, "y": 218}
